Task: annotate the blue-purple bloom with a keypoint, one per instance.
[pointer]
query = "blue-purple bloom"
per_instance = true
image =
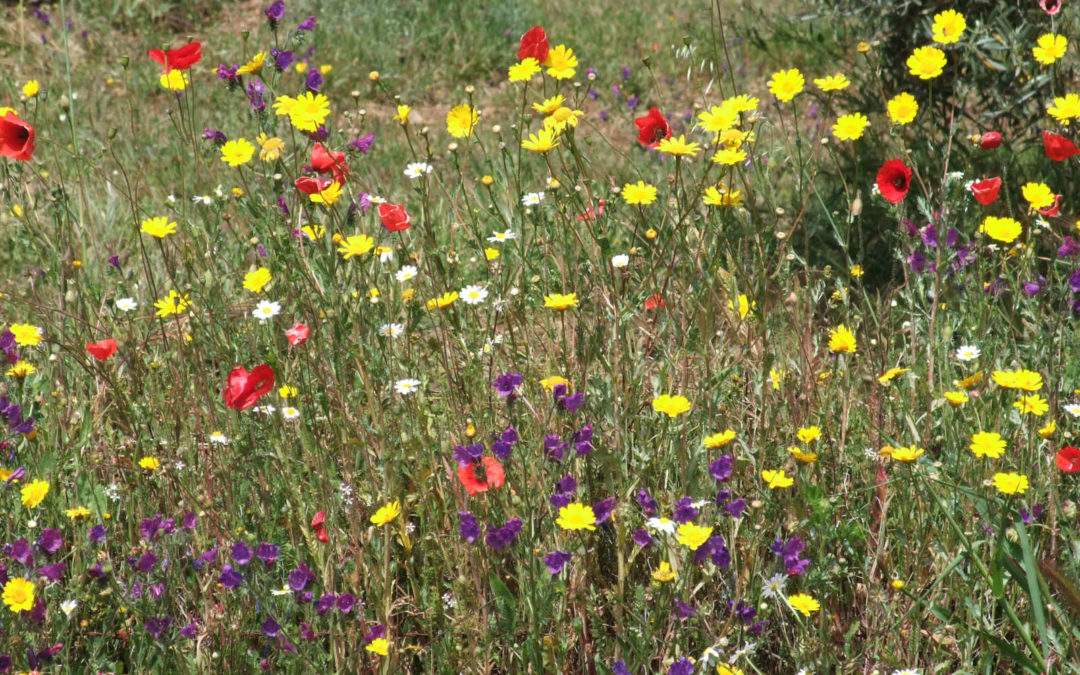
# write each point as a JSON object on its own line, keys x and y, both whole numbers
{"x": 157, "y": 626}
{"x": 270, "y": 628}
{"x": 506, "y": 385}
{"x": 283, "y": 58}
{"x": 647, "y": 503}
{"x": 642, "y": 538}
{"x": 556, "y": 561}
{"x": 274, "y": 13}
{"x": 499, "y": 538}
{"x": 230, "y": 578}
{"x": 241, "y": 553}
{"x": 683, "y": 666}
{"x": 469, "y": 528}
{"x": 684, "y": 511}
{"x": 721, "y": 467}
{"x": 307, "y": 24}
{"x": 267, "y": 553}
{"x": 362, "y": 144}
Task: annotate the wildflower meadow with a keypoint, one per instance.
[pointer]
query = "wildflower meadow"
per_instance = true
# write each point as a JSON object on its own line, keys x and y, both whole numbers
{"x": 414, "y": 336}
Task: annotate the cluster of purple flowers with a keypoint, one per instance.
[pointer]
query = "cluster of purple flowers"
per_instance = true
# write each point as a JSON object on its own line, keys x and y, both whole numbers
{"x": 12, "y": 413}
{"x": 789, "y": 552}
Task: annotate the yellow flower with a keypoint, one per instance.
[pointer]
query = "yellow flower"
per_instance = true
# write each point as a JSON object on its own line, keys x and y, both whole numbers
{"x": 1065, "y": 108}
{"x": 238, "y": 152}
{"x": 329, "y": 195}
{"x": 741, "y": 103}
{"x": 25, "y": 334}
{"x": 380, "y": 646}
{"x": 576, "y": 516}
{"x": 33, "y": 493}
{"x": 692, "y": 536}
{"x": 402, "y": 114}
{"x": 1050, "y": 48}
{"x": 672, "y": 406}
{"x": 1010, "y": 483}
{"x": 720, "y": 195}
{"x": 719, "y": 439}
{"x": 850, "y": 127}
{"x": 908, "y": 454}
{"x": 732, "y": 139}
{"x": 808, "y": 434}
{"x": 150, "y": 463}
{"x": 1048, "y": 430}
{"x": 308, "y": 111}
{"x": 31, "y": 88}
{"x": 159, "y": 227}
{"x": 641, "y": 193}
{"x": 173, "y": 303}
{"x": 777, "y": 479}
{"x": 987, "y": 444}
{"x": 1037, "y": 195}
{"x": 286, "y": 392}
{"x": 1033, "y": 404}
{"x": 664, "y": 573}
{"x": 19, "y": 594}
{"x": 386, "y": 514}
{"x": 175, "y": 80}
{"x": 523, "y": 72}
{"x": 926, "y": 63}
{"x": 718, "y": 118}
{"x": 969, "y": 382}
{"x": 270, "y": 147}
{"x": 549, "y": 383}
{"x": 461, "y": 120}
{"x": 805, "y": 457}
{"x": 356, "y": 246}
{"x": 560, "y": 302}
{"x": 1028, "y": 380}
{"x": 256, "y": 280}
{"x": 777, "y": 377}
{"x": 561, "y": 62}
{"x": 301, "y": 67}
{"x": 841, "y": 339}
{"x": 725, "y": 669}
{"x": 252, "y": 66}
{"x": 836, "y": 82}
{"x": 801, "y": 602}
{"x": 948, "y": 26}
{"x": 21, "y": 369}
{"x": 891, "y": 374}
{"x": 77, "y": 512}
{"x": 444, "y": 300}
{"x": 902, "y": 108}
{"x": 549, "y": 105}
{"x": 678, "y": 146}
{"x": 728, "y": 157}
{"x": 325, "y": 68}
{"x": 785, "y": 84}
{"x": 491, "y": 253}
{"x": 562, "y": 118}
{"x": 541, "y": 141}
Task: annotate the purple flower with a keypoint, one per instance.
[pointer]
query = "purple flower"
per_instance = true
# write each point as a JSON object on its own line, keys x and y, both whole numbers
{"x": 158, "y": 626}
{"x": 227, "y": 73}
{"x": 499, "y": 538}
{"x": 314, "y": 80}
{"x": 682, "y": 611}
{"x": 1074, "y": 282}
{"x": 642, "y": 538}
{"x": 746, "y": 613}
{"x": 241, "y": 553}
{"x": 466, "y": 455}
{"x": 306, "y": 632}
{"x": 215, "y": 135}
{"x": 501, "y": 449}
{"x": 757, "y": 628}
{"x": 721, "y": 467}
{"x": 255, "y": 91}
{"x": 190, "y": 520}
{"x": 52, "y": 572}
{"x": 95, "y": 572}
{"x": 684, "y": 511}
{"x": 1032, "y": 288}
{"x": 97, "y": 533}
{"x": 713, "y": 549}
{"x": 619, "y": 668}
{"x": 625, "y": 73}
{"x": 469, "y": 529}
{"x": 325, "y": 603}
{"x": 230, "y": 578}
{"x": 917, "y": 261}
{"x": 346, "y": 602}
{"x": 603, "y": 509}
{"x": 929, "y": 236}
{"x": 1033, "y": 515}
{"x": 300, "y": 577}
{"x": 308, "y": 24}
{"x": 50, "y": 540}
{"x": 362, "y": 144}
{"x": 583, "y": 440}
{"x": 553, "y": 448}
{"x": 683, "y": 666}
{"x": 150, "y": 527}
{"x": 209, "y": 556}
{"x": 560, "y": 500}
{"x": 1069, "y": 247}
{"x": 283, "y": 58}
{"x": 189, "y": 631}
{"x": 790, "y": 553}
{"x": 509, "y": 436}
{"x": 274, "y": 13}
{"x": 267, "y": 553}
{"x": 952, "y": 235}
{"x": 506, "y": 385}
{"x": 377, "y": 631}
{"x": 736, "y": 508}
{"x": 567, "y": 485}
{"x": 270, "y": 628}
{"x": 573, "y": 402}
{"x": 146, "y": 562}
{"x": 647, "y": 503}
{"x": 556, "y": 561}
{"x": 632, "y": 102}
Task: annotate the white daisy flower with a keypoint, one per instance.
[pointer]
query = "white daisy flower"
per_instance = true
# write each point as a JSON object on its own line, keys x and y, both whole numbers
{"x": 407, "y": 386}
{"x": 265, "y": 409}
{"x": 284, "y": 590}
{"x": 498, "y": 237}
{"x": 391, "y": 330}
{"x": 621, "y": 260}
{"x": 968, "y": 353}
{"x": 661, "y": 525}
{"x": 376, "y": 199}
{"x": 171, "y": 199}
{"x": 774, "y": 586}
{"x": 386, "y": 254}
{"x": 68, "y": 606}
{"x": 532, "y": 199}
{"x": 126, "y": 304}
{"x": 417, "y": 169}
{"x": 265, "y": 310}
{"x": 473, "y": 294}
{"x": 203, "y": 199}
{"x": 405, "y": 273}
{"x": 1073, "y": 409}
{"x": 290, "y": 413}
{"x": 219, "y": 438}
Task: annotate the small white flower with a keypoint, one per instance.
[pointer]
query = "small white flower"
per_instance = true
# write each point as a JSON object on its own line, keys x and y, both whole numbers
{"x": 500, "y": 304}
{"x": 417, "y": 169}
{"x": 386, "y": 254}
{"x": 1073, "y": 409}
{"x": 290, "y": 413}
{"x": 376, "y": 199}
{"x": 621, "y": 260}
{"x": 180, "y": 466}
{"x": 906, "y": 671}
{"x": 498, "y": 237}
{"x": 661, "y": 525}
{"x": 954, "y": 176}
{"x": 741, "y": 652}
{"x": 205, "y": 200}
{"x": 532, "y": 199}
{"x": 391, "y": 330}
{"x": 410, "y": 527}
{"x": 266, "y": 309}
{"x": 968, "y": 353}
{"x": 126, "y": 304}
{"x": 774, "y": 586}
{"x": 219, "y": 438}
{"x": 406, "y": 386}
{"x": 473, "y": 294}
{"x": 171, "y": 199}
{"x": 405, "y": 273}
{"x": 68, "y": 606}
{"x": 265, "y": 409}
{"x": 220, "y": 192}
{"x": 284, "y": 590}
{"x": 871, "y": 453}
{"x": 448, "y": 600}
{"x": 113, "y": 492}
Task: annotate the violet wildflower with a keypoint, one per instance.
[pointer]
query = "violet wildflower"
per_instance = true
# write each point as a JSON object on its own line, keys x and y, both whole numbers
{"x": 270, "y": 628}
{"x": 469, "y": 529}
{"x": 736, "y": 508}
{"x": 215, "y": 135}
{"x": 556, "y": 561}
{"x": 1032, "y": 288}
{"x": 300, "y": 577}
{"x": 346, "y": 602}
{"x": 573, "y": 402}
{"x": 158, "y": 626}
{"x": 466, "y": 455}
{"x": 554, "y": 448}
{"x": 683, "y": 666}
{"x": 501, "y": 449}
{"x": 146, "y": 563}
{"x": 267, "y": 552}
{"x": 1069, "y": 247}
{"x": 255, "y": 91}
{"x": 241, "y": 553}
{"x": 97, "y": 533}
{"x": 314, "y": 80}
{"x": 228, "y": 73}
{"x": 917, "y": 261}
{"x": 929, "y": 236}
{"x": 377, "y": 631}
{"x": 306, "y": 25}
{"x": 499, "y": 538}
{"x": 642, "y": 538}
{"x": 230, "y": 578}
{"x": 149, "y": 528}
{"x": 190, "y": 520}
{"x": 283, "y": 58}
{"x": 50, "y": 540}
{"x": 1033, "y": 515}
{"x": 189, "y": 631}
{"x": 52, "y": 572}
{"x": 952, "y": 235}
{"x": 790, "y": 551}
{"x": 362, "y": 144}
{"x": 625, "y": 73}
{"x": 684, "y": 511}
{"x": 7, "y": 345}
{"x": 21, "y": 552}
{"x": 583, "y": 440}
{"x": 647, "y": 503}
{"x": 306, "y": 632}
{"x": 619, "y": 668}
{"x": 603, "y": 509}
{"x": 682, "y": 611}
{"x": 274, "y": 13}
{"x": 567, "y": 485}
{"x": 632, "y": 102}
{"x": 721, "y": 468}
{"x": 757, "y": 628}
{"x": 560, "y": 500}
{"x": 506, "y": 385}
{"x": 325, "y": 603}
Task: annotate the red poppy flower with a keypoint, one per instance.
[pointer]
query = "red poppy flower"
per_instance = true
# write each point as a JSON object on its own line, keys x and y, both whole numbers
{"x": 990, "y": 140}
{"x": 320, "y": 529}
{"x": 1058, "y": 148}
{"x": 986, "y": 191}
{"x": 326, "y": 161}
{"x": 243, "y": 389}
{"x": 534, "y": 43}
{"x": 16, "y": 138}
{"x": 298, "y": 334}
{"x": 893, "y": 180}
{"x": 1051, "y": 7}
{"x": 494, "y": 476}
{"x": 102, "y": 349}
{"x": 178, "y": 59}
{"x": 654, "y": 302}
{"x": 394, "y": 217}
{"x": 591, "y": 214}
{"x": 310, "y": 185}
{"x": 1053, "y": 209}
{"x": 1068, "y": 459}
{"x": 652, "y": 128}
